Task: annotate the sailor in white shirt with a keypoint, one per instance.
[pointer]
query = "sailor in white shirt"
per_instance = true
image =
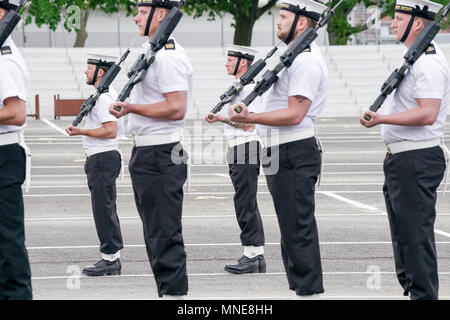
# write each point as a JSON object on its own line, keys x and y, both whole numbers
{"x": 102, "y": 167}
{"x": 15, "y": 274}
{"x": 158, "y": 164}
{"x": 243, "y": 159}
{"x": 292, "y": 158}
{"x": 414, "y": 166}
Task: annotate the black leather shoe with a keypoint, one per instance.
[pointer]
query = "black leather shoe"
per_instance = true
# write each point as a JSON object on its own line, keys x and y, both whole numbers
{"x": 248, "y": 265}
{"x": 104, "y": 268}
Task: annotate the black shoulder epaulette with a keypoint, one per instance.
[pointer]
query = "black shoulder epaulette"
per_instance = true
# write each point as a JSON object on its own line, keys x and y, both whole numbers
{"x": 170, "y": 45}
{"x": 6, "y": 50}
{"x": 430, "y": 50}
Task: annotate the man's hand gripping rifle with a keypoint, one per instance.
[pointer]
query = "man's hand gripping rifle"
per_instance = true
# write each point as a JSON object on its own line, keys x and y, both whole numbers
{"x": 102, "y": 87}
{"x": 9, "y": 22}
{"x": 415, "y": 51}
{"x": 300, "y": 44}
{"x": 158, "y": 41}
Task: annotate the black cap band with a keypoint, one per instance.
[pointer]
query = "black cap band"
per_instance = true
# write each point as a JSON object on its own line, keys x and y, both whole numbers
{"x": 423, "y": 13}
{"x": 241, "y": 55}
{"x": 297, "y": 10}
{"x": 100, "y": 62}
{"x": 159, "y": 3}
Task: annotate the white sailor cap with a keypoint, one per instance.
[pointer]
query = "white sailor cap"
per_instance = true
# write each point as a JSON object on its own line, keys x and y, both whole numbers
{"x": 421, "y": 8}
{"x": 242, "y": 52}
{"x": 308, "y": 8}
{"x": 100, "y": 60}
{"x": 169, "y": 4}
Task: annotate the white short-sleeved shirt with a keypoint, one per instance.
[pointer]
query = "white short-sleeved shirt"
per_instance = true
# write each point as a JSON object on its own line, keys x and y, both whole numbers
{"x": 231, "y": 132}
{"x": 308, "y": 77}
{"x": 14, "y": 79}
{"x": 428, "y": 77}
{"x": 99, "y": 115}
{"x": 170, "y": 72}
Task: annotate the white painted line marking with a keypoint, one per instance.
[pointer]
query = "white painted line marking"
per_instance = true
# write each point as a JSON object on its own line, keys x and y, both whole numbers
{"x": 442, "y": 233}
{"x": 54, "y": 126}
{"x": 223, "y": 175}
{"x": 196, "y": 194}
{"x": 221, "y": 274}
{"x": 346, "y": 200}
{"x": 363, "y": 206}
{"x": 261, "y": 183}
{"x": 237, "y": 244}
{"x": 80, "y": 155}
{"x": 217, "y": 216}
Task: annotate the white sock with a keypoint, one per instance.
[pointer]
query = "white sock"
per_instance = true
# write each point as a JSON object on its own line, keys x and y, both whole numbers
{"x": 111, "y": 257}
{"x": 252, "y": 251}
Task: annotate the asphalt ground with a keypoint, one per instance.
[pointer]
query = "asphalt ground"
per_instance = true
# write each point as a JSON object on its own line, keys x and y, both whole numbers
{"x": 357, "y": 257}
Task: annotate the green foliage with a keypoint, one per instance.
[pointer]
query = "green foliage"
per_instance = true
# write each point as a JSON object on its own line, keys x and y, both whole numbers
{"x": 218, "y": 7}
{"x": 340, "y": 30}
{"x": 244, "y": 12}
{"x": 50, "y": 11}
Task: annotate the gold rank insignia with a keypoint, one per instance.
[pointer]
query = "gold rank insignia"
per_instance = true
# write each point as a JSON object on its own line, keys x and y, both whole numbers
{"x": 430, "y": 50}
{"x": 170, "y": 45}
{"x": 6, "y": 50}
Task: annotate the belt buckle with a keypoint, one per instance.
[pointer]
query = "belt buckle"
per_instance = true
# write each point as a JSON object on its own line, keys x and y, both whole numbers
{"x": 134, "y": 140}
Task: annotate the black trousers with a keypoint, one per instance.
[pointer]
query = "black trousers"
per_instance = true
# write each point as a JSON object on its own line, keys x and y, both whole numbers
{"x": 292, "y": 187}
{"x": 15, "y": 273}
{"x": 158, "y": 189}
{"x": 411, "y": 180}
{"x": 102, "y": 170}
{"x": 244, "y": 163}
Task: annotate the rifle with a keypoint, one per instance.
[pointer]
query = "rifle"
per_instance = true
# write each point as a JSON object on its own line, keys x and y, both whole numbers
{"x": 159, "y": 40}
{"x": 300, "y": 44}
{"x": 246, "y": 79}
{"x": 419, "y": 46}
{"x": 102, "y": 87}
{"x": 9, "y": 22}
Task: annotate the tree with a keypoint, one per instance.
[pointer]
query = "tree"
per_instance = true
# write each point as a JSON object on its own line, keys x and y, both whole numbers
{"x": 244, "y": 12}
{"x": 339, "y": 30}
{"x": 76, "y": 14}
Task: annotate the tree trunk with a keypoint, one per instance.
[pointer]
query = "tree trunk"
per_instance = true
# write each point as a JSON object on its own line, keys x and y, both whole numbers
{"x": 82, "y": 34}
{"x": 245, "y": 22}
{"x": 244, "y": 31}
{"x": 333, "y": 38}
